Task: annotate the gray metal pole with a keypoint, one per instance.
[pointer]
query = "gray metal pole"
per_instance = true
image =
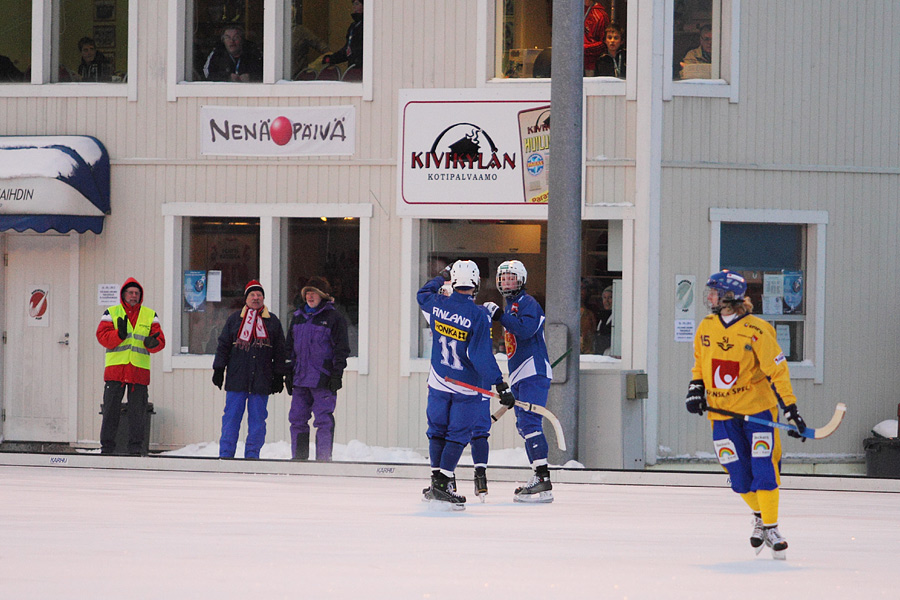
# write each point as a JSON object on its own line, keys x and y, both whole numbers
{"x": 564, "y": 212}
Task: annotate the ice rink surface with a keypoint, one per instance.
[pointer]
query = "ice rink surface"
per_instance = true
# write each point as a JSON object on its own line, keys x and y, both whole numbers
{"x": 105, "y": 534}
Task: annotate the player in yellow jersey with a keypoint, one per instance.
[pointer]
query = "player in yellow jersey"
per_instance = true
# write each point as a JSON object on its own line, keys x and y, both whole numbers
{"x": 739, "y": 366}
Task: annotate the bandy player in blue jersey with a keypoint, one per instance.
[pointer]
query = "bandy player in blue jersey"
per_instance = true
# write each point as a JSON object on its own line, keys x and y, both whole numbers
{"x": 529, "y": 371}
{"x": 461, "y": 350}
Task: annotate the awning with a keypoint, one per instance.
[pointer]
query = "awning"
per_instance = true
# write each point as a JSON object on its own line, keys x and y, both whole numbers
{"x": 53, "y": 182}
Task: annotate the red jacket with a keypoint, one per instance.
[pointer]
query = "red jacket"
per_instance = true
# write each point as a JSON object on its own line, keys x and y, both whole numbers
{"x": 595, "y": 22}
{"x": 108, "y": 336}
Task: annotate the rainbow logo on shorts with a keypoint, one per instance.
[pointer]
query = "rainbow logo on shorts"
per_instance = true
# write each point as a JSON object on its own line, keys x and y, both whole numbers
{"x": 725, "y": 453}
{"x": 761, "y": 446}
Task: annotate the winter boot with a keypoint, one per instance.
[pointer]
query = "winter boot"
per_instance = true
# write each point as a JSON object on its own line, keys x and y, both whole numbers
{"x": 757, "y": 538}
{"x": 774, "y": 541}
{"x": 443, "y": 489}
{"x": 538, "y": 487}
{"x": 301, "y": 447}
{"x": 481, "y": 489}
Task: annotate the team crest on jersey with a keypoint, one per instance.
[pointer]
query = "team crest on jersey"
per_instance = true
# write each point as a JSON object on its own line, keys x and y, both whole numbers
{"x": 514, "y": 308}
{"x": 762, "y": 444}
{"x": 725, "y": 344}
{"x": 725, "y": 373}
{"x": 509, "y": 340}
{"x": 726, "y": 451}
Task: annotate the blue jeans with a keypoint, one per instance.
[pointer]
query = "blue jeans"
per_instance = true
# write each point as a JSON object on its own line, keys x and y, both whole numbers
{"x": 231, "y": 423}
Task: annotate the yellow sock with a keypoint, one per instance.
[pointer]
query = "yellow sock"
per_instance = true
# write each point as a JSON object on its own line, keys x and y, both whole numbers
{"x": 751, "y": 500}
{"x": 768, "y": 504}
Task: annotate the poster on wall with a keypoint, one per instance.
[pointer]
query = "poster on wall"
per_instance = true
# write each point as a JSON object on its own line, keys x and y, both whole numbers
{"x": 194, "y": 291}
{"x": 685, "y": 307}
{"x": 37, "y": 305}
{"x": 469, "y": 154}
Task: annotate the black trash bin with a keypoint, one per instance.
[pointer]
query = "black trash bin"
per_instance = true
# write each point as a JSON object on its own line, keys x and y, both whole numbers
{"x": 882, "y": 457}
{"x": 122, "y": 434}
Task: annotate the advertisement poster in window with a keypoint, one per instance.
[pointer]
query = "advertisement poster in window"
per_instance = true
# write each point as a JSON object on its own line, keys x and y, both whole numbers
{"x": 194, "y": 291}
{"x": 534, "y": 130}
{"x": 793, "y": 291}
{"x": 463, "y": 152}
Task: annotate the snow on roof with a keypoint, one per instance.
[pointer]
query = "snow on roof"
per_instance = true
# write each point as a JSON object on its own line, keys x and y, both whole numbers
{"x": 89, "y": 148}
{"x": 36, "y": 162}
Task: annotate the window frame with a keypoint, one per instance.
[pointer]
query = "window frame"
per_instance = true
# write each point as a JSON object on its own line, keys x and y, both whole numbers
{"x": 728, "y": 38}
{"x": 816, "y": 222}
{"x": 276, "y": 19}
{"x": 486, "y": 45}
{"x": 271, "y": 218}
{"x": 42, "y": 62}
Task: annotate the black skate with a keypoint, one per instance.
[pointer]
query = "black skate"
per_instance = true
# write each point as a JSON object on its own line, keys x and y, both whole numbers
{"x": 481, "y": 488}
{"x": 538, "y": 488}
{"x": 442, "y": 493}
{"x": 777, "y": 543}
{"x": 757, "y": 538}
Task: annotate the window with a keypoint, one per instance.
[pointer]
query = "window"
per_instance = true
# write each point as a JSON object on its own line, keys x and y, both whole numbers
{"x": 83, "y": 42}
{"x": 490, "y": 243}
{"x": 237, "y": 41}
{"x": 217, "y": 248}
{"x": 219, "y": 257}
{"x": 326, "y": 248}
{"x": 781, "y": 254}
{"x": 15, "y": 42}
{"x": 702, "y": 48}
{"x": 523, "y": 38}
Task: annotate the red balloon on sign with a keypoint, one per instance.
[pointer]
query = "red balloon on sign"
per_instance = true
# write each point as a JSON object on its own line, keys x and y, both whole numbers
{"x": 281, "y": 131}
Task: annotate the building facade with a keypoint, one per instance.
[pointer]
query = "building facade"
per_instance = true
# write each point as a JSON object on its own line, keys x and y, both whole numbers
{"x": 777, "y": 158}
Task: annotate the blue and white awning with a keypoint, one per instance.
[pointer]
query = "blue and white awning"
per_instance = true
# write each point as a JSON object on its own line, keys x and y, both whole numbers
{"x": 53, "y": 182}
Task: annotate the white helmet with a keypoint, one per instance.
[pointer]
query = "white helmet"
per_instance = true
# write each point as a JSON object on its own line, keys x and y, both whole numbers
{"x": 511, "y": 277}
{"x": 465, "y": 274}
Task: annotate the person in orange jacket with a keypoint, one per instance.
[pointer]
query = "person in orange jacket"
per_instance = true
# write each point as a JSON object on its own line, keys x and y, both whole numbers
{"x": 130, "y": 332}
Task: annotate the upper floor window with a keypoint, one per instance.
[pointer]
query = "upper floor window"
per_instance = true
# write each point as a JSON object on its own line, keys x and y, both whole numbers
{"x": 702, "y": 48}
{"x": 524, "y": 30}
{"x": 231, "y": 40}
{"x": 84, "y": 41}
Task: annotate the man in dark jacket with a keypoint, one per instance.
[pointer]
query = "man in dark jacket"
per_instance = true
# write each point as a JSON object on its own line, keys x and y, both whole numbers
{"x": 234, "y": 60}
{"x": 319, "y": 346}
{"x": 130, "y": 332}
{"x": 251, "y": 347}
{"x": 352, "y": 50}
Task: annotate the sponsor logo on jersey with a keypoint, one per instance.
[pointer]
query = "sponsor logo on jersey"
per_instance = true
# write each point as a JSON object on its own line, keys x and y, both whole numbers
{"x": 762, "y": 444}
{"x": 725, "y": 344}
{"x": 725, "y": 373}
{"x": 779, "y": 359}
{"x": 450, "y": 331}
{"x": 754, "y": 328}
{"x": 726, "y": 451}
{"x": 514, "y": 308}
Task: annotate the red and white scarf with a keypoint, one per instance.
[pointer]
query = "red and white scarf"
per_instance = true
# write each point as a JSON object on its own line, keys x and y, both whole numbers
{"x": 252, "y": 326}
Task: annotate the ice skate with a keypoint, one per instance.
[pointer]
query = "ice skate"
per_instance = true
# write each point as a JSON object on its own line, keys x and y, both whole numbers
{"x": 538, "y": 488}
{"x": 757, "y": 538}
{"x": 777, "y": 543}
{"x": 442, "y": 494}
{"x": 481, "y": 488}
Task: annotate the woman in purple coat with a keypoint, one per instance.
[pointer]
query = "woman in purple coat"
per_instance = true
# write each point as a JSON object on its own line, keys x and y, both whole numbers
{"x": 319, "y": 346}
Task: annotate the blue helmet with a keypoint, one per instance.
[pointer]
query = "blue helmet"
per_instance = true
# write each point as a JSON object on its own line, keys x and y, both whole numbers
{"x": 731, "y": 287}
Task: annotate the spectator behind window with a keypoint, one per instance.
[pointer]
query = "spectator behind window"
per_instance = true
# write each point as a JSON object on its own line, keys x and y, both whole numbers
{"x": 595, "y": 22}
{"x": 701, "y": 55}
{"x": 8, "y": 71}
{"x": 94, "y": 65}
{"x": 612, "y": 62}
{"x": 234, "y": 59}
{"x": 352, "y": 51}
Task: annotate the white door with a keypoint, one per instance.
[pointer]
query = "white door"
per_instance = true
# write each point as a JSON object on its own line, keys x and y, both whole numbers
{"x": 41, "y": 312}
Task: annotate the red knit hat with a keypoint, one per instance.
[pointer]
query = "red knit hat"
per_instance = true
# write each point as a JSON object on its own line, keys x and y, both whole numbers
{"x": 254, "y": 286}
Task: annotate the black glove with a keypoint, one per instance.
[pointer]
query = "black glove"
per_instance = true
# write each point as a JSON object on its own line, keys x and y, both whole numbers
{"x": 277, "y": 383}
{"x": 792, "y": 414}
{"x": 122, "y": 327}
{"x": 506, "y": 397}
{"x": 446, "y": 272}
{"x": 218, "y": 377}
{"x": 289, "y": 384}
{"x": 335, "y": 383}
{"x": 152, "y": 341}
{"x": 696, "y": 397}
